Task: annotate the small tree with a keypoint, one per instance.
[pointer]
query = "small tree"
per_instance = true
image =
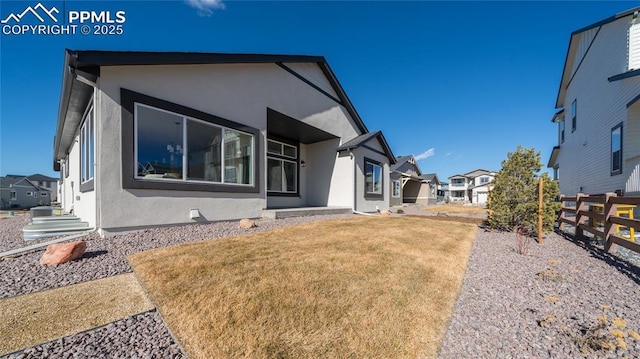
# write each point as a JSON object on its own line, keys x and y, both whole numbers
{"x": 514, "y": 198}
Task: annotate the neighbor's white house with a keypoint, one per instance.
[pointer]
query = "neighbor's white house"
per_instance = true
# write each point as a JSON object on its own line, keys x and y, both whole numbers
{"x": 146, "y": 139}
{"x": 471, "y": 187}
{"x": 598, "y": 106}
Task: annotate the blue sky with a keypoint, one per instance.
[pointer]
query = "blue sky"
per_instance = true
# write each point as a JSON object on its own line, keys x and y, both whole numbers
{"x": 458, "y": 84}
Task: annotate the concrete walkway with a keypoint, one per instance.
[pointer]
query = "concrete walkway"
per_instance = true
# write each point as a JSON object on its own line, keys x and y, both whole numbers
{"x": 32, "y": 319}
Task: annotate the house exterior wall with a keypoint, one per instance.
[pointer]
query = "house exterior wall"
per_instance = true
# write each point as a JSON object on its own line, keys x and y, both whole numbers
{"x": 82, "y": 204}
{"x": 364, "y": 204}
{"x": 22, "y": 199}
{"x": 342, "y": 186}
{"x": 584, "y": 157}
{"x": 239, "y": 93}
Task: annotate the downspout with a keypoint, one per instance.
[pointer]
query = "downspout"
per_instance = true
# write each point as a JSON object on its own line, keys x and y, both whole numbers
{"x": 355, "y": 182}
{"x": 96, "y": 185}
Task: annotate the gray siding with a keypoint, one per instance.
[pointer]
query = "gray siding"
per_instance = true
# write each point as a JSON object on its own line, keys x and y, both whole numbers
{"x": 584, "y": 157}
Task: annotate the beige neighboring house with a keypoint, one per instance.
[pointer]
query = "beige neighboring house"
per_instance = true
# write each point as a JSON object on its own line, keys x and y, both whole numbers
{"x": 598, "y": 109}
{"x": 410, "y": 185}
{"x": 159, "y": 138}
{"x": 472, "y": 187}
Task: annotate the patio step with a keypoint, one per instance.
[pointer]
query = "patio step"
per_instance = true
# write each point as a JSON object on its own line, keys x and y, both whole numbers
{"x": 279, "y": 213}
{"x": 52, "y": 226}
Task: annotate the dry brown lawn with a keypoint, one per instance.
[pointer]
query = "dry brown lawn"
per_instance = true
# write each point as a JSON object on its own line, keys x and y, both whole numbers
{"x": 367, "y": 287}
{"x": 456, "y": 209}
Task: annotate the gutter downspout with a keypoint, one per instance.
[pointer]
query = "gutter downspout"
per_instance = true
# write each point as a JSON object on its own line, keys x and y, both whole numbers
{"x": 355, "y": 181}
{"x": 94, "y": 102}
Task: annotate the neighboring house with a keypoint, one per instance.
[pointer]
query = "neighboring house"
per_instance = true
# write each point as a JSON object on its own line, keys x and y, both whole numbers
{"x": 157, "y": 138}
{"x": 598, "y": 120}
{"x": 471, "y": 187}
{"x": 50, "y": 183}
{"x": 432, "y": 183}
{"x": 443, "y": 191}
{"x": 409, "y": 185}
{"x": 19, "y": 193}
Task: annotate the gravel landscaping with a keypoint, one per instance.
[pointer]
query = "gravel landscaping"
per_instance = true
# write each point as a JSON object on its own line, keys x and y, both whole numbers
{"x": 564, "y": 299}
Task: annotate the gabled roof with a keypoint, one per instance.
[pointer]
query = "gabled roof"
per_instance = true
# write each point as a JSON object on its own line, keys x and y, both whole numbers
{"x": 574, "y": 42}
{"x": 430, "y": 177}
{"x": 361, "y": 140}
{"x": 82, "y": 68}
{"x": 36, "y": 177}
{"x": 478, "y": 172}
{"x": 401, "y": 160}
{"x": 8, "y": 181}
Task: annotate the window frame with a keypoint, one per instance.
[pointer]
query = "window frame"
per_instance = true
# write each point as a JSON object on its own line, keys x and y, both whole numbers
{"x": 574, "y": 115}
{"x": 87, "y": 149}
{"x": 611, "y": 152}
{"x": 373, "y": 195}
{"x": 13, "y": 195}
{"x": 393, "y": 188}
{"x": 284, "y": 158}
{"x": 130, "y": 180}
{"x": 562, "y": 127}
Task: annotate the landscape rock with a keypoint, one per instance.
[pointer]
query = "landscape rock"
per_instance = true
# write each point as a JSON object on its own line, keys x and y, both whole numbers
{"x": 385, "y": 213}
{"x": 60, "y": 253}
{"x": 247, "y": 223}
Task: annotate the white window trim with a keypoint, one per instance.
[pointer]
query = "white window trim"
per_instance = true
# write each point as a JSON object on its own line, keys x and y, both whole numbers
{"x": 393, "y": 191}
{"x": 611, "y": 152}
{"x": 283, "y": 176}
{"x": 282, "y": 154}
{"x": 373, "y": 179}
{"x": 86, "y": 173}
{"x": 14, "y": 195}
{"x": 282, "y": 157}
{"x": 185, "y": 150}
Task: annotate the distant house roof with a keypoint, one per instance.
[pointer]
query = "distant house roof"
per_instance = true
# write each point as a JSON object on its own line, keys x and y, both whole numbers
{"x": 574, "y": 44}
{"x": 36, "y": 177}
{"x": 360, "y": 141}
{"x": 80, "y": 68}
{"x": 401, "y": 160}
{"x": 10, "y": 181}
{"x": 430, "y": 177}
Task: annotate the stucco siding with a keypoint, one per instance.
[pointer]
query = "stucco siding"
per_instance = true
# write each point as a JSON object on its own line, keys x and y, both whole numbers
{"x": 312, "y": 73}
{"x": 83, "y": 204}
{"x": 584, "y": 158}
{"x": 341, "y": 192}
{"x": 239, "y": 93}
{"x": 364, "y": 204}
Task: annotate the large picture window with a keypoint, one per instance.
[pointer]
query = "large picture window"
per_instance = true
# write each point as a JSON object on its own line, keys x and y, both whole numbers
{"x": 170, "y": 146}
{"x": 616, "y": 150}
{"x": 372, "y": 178}
{"x": 87, "y": 146}
{"x": 282, "y": 168}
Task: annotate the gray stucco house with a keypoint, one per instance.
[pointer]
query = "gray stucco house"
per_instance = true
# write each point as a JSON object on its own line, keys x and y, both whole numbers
{"x": 18, "y": 192}
{"x": 157, "y": 138}
{"x": 410, "y": 185}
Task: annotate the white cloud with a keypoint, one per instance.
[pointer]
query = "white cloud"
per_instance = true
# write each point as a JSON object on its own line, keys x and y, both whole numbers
{"x": 449, "y": 154}
{"x": 426, "y": 154}
{"x": 206, "y": 7}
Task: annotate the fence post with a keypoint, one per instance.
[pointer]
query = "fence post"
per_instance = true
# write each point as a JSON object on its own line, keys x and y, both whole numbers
{"x": 562, "y": 213}
{"x": 540, "y": 196}
{"x": 580, "y": 207}
{"x": 609, "y": 228}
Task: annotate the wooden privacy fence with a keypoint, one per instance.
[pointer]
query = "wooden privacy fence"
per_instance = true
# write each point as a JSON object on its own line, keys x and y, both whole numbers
{"x": 601, "y": 215}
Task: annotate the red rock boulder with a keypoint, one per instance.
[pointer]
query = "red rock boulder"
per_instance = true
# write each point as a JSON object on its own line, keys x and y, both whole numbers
{"x": 246, "y": 223}
{"x": 63, "y": 252}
